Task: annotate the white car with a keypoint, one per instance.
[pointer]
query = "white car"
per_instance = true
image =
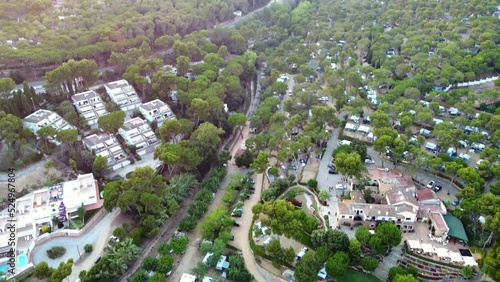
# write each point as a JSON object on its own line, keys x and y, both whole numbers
{"x": 323, "y": 99}
{"x": 369, "y": 160}
{"x": 431, "y": 184}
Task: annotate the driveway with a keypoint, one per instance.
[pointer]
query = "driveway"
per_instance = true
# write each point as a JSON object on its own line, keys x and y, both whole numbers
{"x": 147, "y": 159}
{"x": 74, "y": 245}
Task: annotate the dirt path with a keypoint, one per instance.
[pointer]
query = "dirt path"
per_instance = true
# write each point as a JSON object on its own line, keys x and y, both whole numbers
{"x": 166, "y": 232}
{"x": 192, "y": 255}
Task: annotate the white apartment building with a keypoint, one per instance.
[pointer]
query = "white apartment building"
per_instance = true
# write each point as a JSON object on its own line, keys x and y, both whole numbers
{"x": 156, "y": 110}
{"x": 137, "y": 132}
{"x": 123, "y": 94}
{"x": 90, "y": 105}
{"x": 106, "y": 145}
{"x": 39, "y": 207}
{"x": 42, "y": 118}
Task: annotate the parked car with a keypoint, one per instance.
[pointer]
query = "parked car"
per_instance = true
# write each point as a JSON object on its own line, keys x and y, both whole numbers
{"x": 332, "y": 170}
{"x": 237, "y": 212}
{"x": 456, "y": 202}
{"x": 438, "y": 188}
{"x": 237, "y": 223}
{"x": 431, "y": 184}
{"x": 369, "y": 160}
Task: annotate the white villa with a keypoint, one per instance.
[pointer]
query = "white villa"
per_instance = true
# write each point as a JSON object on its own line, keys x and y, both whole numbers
{"x": 107, "y": 145}
{"x": 42, "y": 118}
{"x": 35, "y": 210}
{"x": 123, "y": 94}
{"x": 137, "y": 132}
{"x": 156, "y": 110}
{"x": 90, "y": 105}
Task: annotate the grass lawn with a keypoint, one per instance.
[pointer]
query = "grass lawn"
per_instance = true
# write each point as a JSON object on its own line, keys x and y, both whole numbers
{"x": 293, "y": 192}
{"x": 76, "y": 221}
{"x": 354, "y": 276}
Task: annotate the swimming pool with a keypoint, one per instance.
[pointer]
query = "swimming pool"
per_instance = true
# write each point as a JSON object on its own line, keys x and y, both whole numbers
{"x": 3, "y": 269}
{"x": 22, "y": 260}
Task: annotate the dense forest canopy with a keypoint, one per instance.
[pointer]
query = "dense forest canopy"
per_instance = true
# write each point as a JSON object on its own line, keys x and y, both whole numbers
{"x": 45, "y": 31}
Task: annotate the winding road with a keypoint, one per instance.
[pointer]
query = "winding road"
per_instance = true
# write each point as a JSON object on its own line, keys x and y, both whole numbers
{"x": 74, "y": 244}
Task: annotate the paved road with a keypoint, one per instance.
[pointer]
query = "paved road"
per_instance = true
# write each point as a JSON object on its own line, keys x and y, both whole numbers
{"x": 326, "y": 180}
{"x": 236, "y": 20}
{"x": 74, "y": 245}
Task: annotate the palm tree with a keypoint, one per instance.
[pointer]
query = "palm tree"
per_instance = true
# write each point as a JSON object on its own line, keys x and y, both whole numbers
{"x": 180, "y": 185}
{"x": 126, "y": 250}
{"x": 117, "y": 264}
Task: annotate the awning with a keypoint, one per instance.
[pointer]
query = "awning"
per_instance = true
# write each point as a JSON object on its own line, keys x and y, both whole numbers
{"x": 456, "y": 257}
{"x": 470, "y": 261}
{"x": 414, "y": 244}
{"x": 427, "y": 248}
{"x": 442, "y": 252}
{"x": 456, "y": 227}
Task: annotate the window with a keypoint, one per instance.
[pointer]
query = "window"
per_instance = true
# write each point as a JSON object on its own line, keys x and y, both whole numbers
{"x": 343, "y": 216}
{"x": 350, "y": 217}
{"x": 407, "y": 218}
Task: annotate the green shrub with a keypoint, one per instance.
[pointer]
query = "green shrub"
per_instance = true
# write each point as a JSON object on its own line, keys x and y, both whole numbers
{"x": 129, "y": 174}
{"x": 136, "y": 234}
{"x": 50, "y": 164}
{"x": 313, "y": 184}
{"x": 88, "y": 248}
{"x": 56, "y": 252}
{"x": 42, "y": 270}
{"x": 482, "y": 252}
